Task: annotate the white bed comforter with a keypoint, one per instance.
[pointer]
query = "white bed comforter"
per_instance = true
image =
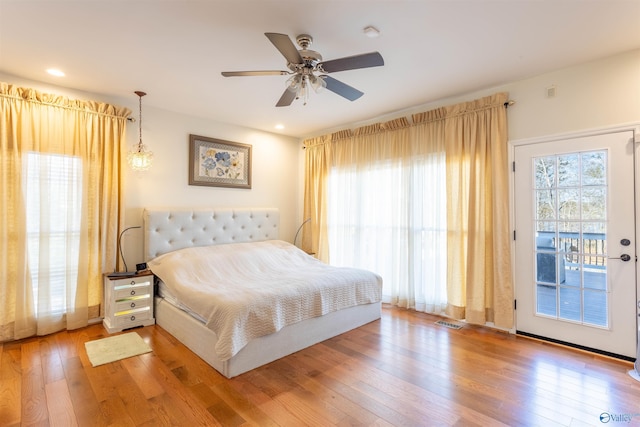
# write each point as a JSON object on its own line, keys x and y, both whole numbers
{"x": 247, "y": 290}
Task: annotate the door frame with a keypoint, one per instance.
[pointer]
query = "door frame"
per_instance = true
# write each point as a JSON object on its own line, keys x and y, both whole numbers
{"x": 512, "y": 144}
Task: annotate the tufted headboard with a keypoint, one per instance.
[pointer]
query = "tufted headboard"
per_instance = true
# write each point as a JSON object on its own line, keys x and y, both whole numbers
{"x": 167, "y": 230}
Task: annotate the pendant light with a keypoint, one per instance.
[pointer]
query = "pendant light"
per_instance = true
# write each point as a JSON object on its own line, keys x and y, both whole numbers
{"x": 139, "y": 159}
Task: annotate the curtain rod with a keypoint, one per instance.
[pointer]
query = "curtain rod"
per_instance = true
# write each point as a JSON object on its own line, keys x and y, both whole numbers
{"x": 507, "y": 104}
{"x": 64, "y": 102}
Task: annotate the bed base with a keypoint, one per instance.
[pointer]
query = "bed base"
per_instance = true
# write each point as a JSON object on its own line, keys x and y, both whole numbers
{"x": 260, "y": 351}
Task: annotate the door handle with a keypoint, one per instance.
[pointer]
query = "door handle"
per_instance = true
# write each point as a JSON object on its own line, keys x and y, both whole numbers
{"x": 623, "y": 257}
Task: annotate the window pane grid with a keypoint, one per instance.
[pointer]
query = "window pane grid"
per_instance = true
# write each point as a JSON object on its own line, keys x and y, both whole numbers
{"x": 570, "y": 243}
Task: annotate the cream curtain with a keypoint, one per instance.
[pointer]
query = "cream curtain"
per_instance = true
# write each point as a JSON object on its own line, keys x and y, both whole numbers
{"x": 440, "y": 188}
{"x": 479, "y": 281}
{"x": 61, "y": 156}
{"x": 317, "y": 163}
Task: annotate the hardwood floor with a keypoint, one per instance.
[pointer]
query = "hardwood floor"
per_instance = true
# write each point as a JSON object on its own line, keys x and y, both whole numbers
{"x": 403, "y": 370}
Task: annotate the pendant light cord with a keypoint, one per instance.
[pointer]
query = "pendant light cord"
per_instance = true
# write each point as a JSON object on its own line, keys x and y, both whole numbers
{"x": 140, "y": 95}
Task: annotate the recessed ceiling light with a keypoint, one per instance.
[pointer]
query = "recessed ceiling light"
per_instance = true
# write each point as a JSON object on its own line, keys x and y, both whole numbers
{"x": 55, "y": 72}
{"x": 279, "y": 126}
{"x": 371, "y": 31}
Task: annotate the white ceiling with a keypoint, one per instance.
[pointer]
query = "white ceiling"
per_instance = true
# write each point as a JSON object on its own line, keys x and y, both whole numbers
{"x": 175, "y": 50}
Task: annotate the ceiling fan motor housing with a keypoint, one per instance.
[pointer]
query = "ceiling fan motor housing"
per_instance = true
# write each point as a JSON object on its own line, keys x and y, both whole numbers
{"x": 310, "y": 57}
{"x": 304, "y": 40}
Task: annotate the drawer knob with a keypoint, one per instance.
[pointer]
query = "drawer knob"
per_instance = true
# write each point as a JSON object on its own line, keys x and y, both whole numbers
{"x": 133, "y": 304}
{"x": 133, "y": 292}
{"x": 133, "y": 318}
{"x": 133, "y": 282}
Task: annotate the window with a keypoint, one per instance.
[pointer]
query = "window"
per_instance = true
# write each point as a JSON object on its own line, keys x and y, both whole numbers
{"x": 571, "y": 237}
{"x": 52, "y": 193}
{"x": 390, "y": 218}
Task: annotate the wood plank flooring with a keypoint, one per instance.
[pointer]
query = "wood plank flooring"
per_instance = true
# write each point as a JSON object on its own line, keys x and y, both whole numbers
{"x": 403, "y": 370}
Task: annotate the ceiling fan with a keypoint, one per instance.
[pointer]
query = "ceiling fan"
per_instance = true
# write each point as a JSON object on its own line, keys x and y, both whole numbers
{"x": 307, "y": 70}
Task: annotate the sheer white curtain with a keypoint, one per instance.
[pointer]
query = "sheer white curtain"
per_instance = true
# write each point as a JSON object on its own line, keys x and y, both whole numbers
{"x": 387, "y": 213}
{"x": 53, "y": 196}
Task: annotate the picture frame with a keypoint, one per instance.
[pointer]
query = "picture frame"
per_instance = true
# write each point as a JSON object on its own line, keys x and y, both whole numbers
{"x": 218, "y": 163}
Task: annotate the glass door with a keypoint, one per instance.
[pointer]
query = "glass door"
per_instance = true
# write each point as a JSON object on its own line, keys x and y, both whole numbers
{"x": 575, "y": 247}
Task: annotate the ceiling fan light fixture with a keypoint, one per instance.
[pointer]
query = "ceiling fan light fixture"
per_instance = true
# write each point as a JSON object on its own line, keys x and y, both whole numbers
{"x": 294, "y": 83}
{"x": 317, "y": 83}
{"x": 303, "y": 91}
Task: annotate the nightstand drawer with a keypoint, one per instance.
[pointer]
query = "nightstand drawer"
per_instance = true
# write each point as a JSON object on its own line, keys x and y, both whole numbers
{"x": 131, "y": 281}
{"x": 130, "y": 318}
{"x": 133, "y": 303}
{"x": 141, "y": 290}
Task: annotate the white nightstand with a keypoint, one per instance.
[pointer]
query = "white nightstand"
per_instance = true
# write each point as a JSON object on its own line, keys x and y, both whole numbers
{"x": 128, "y": 301}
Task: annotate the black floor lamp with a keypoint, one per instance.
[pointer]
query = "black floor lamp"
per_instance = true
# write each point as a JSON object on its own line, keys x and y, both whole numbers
{"x": 300, "y": 228}
{"x": 125, "y": 272}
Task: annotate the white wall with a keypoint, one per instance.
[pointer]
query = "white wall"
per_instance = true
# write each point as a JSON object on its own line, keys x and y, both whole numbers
{"x": 275, "y": 172}
{"x": 592, "y": 95}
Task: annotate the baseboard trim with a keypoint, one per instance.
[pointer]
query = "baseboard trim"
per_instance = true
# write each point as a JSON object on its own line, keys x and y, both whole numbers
{"x": 576, "y": 346}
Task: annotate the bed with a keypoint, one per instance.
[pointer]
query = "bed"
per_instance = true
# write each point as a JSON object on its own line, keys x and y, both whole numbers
{"x": 178, "y": 245}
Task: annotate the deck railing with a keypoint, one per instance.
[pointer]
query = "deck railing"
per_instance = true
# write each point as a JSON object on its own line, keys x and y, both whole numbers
{"x": 593, "y": 248}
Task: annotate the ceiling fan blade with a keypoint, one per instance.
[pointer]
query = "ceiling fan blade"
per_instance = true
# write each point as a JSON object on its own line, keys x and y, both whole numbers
{"x": 342, "y": 89}
{"x": 286, "y": 99}
{"x": 365, "y": 60}
{"x": 254, "y": 73}
{"x": 283, "y": 43}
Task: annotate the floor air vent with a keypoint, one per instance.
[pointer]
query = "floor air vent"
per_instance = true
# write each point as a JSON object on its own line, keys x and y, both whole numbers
{"x": 448, "y": 324}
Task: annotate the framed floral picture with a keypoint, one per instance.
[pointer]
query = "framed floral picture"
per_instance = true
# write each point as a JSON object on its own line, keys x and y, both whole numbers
{"x": 219, "y": 163}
